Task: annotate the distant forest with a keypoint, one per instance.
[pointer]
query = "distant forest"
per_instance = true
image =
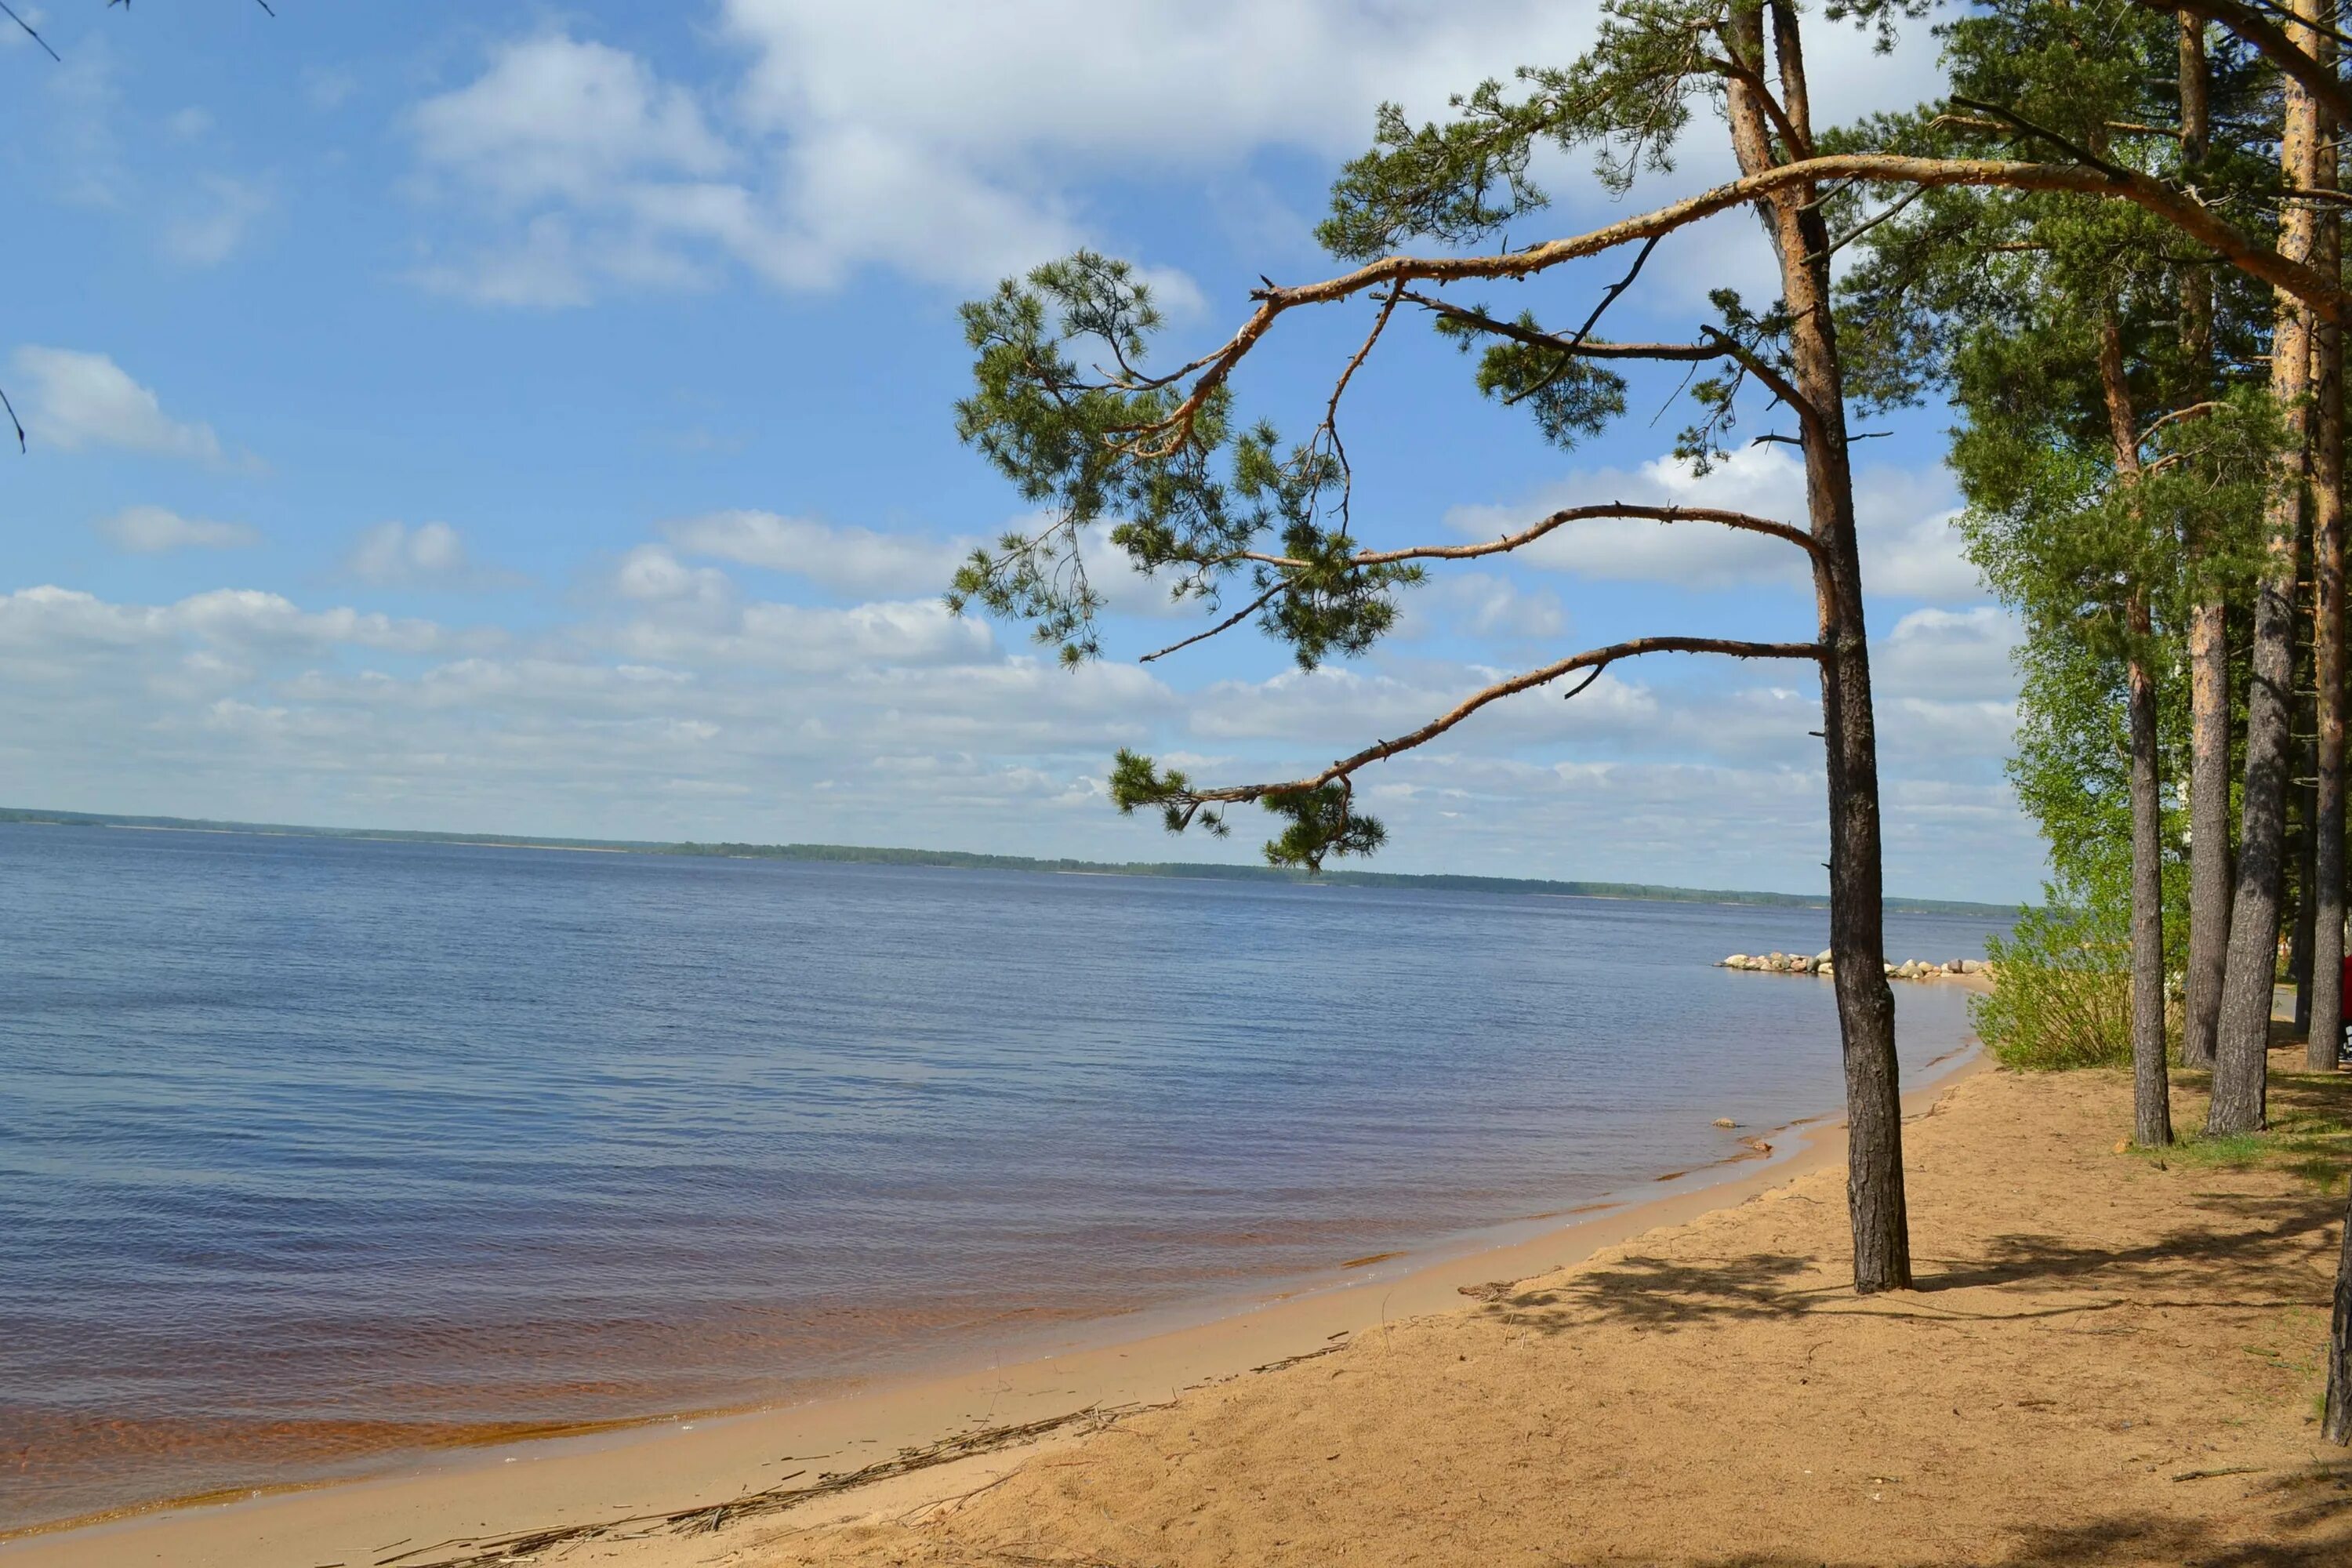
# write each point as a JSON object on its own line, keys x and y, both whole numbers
{"x": 958, "y": 860}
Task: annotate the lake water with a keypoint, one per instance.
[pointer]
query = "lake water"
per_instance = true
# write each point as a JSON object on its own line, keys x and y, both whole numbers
{"x": 313, "y": 1152}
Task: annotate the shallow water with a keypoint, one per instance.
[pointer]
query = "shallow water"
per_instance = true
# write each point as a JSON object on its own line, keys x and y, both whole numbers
{"x": 312, "y": 1152}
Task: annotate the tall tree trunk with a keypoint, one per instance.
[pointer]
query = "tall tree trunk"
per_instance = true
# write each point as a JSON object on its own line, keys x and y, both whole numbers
{"x": 2327, "y": 552}
{"x": 2151, "y": 1086}
{"x": 2209, "y": 638}
{"x": 2303, "y": 809}
{"x": 1874, "y": 1195}
{"x": 2242, "y": 1049}
{"x": 2324, "y": 1042}
{"x": 2336, "y": 1424}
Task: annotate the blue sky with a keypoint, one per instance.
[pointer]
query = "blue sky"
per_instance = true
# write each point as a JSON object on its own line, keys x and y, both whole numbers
{"x": 537, "y": 419}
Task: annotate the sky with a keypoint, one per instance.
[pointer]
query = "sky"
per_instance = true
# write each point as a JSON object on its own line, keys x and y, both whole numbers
{"x": 539, "y": 419}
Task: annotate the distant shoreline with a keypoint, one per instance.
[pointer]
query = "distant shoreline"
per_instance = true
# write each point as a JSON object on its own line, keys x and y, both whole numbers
{"x": 955, "y": 859}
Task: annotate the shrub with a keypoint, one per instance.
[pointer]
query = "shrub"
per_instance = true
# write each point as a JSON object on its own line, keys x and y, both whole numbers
{"x": 2061, "y": 991}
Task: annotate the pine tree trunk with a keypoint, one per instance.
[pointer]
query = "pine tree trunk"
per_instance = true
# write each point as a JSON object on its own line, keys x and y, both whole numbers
{"x": 2210, "y": 870}
{"x": 1874, "y": 1194}
{"x": 2151, "y": 1088}
{"x": 2324, "y": 1041}
{"x": 2303, "y": 842}
{"x": 2335, "y": 1423}
{"x": 2241, "y": 1058}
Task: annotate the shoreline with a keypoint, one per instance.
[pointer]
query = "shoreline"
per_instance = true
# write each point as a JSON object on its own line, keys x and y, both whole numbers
{"x": 667, "y": 1464}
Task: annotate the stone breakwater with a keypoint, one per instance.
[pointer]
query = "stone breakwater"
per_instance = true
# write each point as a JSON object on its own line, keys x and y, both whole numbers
{"x": 1822, "y": 963}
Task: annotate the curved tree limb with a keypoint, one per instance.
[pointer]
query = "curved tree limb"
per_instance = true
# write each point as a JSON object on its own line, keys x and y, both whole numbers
{"x": 1593, "y": 659}
{"x": 1502, "y": 546}
{"x": 1510, "y": 541}
{"x": 2178, "y": 207}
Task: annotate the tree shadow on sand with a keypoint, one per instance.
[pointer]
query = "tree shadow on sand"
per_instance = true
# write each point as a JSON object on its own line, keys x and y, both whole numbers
{"x": 2310, "y": 1527}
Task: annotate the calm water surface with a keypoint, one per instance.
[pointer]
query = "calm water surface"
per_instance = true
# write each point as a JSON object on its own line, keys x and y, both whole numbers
{"x": 314, "y": 1152}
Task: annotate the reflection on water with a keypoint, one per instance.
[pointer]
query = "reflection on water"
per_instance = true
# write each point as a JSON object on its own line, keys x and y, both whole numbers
{"x": 314, "y": 1151}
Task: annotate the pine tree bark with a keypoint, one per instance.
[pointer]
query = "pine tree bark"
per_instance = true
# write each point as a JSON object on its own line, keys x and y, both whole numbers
{"x": 2209, "y": 872}
{"x": 2325, "y": 1037}
{"x": 2325, "y": 1041}
{"x": 2241, "y": 1060}
{"x": 2302, "y": 810}
{"x": 2151, "y": 1086}
{"x": 2335, "y": 1421}
{"x": 1875, "y": 1191}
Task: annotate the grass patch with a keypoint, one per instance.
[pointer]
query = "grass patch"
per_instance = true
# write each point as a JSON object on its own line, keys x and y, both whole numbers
{"x": 2309, "y": 1137}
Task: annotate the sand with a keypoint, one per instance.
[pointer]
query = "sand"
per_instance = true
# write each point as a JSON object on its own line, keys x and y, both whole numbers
{"x": 2109, "y": 1362}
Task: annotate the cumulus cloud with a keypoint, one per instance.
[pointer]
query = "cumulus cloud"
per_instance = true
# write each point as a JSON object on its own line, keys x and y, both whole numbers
{"x": 1966, "y": 655}
{"x": 851, "y": 560}
{"x": 953, "y": 145}
{"x": 680, "y": 705}
{"x": 152, "y": 530}
{"x": 428, "y": 555}
{"x": 73, "y": 399}
{"x": 50, "y": 617}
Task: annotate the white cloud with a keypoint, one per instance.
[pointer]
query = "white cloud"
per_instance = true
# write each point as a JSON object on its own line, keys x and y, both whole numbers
{"x": 215, "y": 221}
{"x": 953, "y": 145}
{"x": 678, "y": 706}
{"x": 852, "y": 560}
{"x": 1482, "y": 605}
{"x": 429, "y": 555}
{"x": 553, "y": 116}
{"x": 560, "y": 134}
{"x": 74, "y": 399}
{"x": 1964, "y": 654}
{"x": 150, "y": 530}
{"x": 50, "y": 618}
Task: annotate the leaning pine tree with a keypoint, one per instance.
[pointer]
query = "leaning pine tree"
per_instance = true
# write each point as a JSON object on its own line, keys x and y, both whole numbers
{"x": 1220, "y": 508}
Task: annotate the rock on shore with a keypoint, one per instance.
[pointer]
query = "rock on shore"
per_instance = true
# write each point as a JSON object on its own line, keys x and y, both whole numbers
{"x": 1822, "y": 963}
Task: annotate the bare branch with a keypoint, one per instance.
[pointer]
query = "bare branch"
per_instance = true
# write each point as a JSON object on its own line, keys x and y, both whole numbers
{"x": 2025, "y": 127}
{"x": 1594, "y": 659}
{"x": 18, "y": 424}
{"x": 1535, "y": 337}
{"x": 1609, "y": 295}
{"x": 1850, "y": 235}
{"x": 1330, "y": 426}
{"x": 1228, "y": 623}
{"x": 36, "y": 38}
{"x": 1719, "y": 345}
{"x": 2194, "y": 411}
{"x": 1627, "y": 510}
{"x": 1792, "y": 138}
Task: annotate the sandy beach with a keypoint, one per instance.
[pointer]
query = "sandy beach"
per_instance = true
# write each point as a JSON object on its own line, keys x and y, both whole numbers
{"x": 2110, "y": 1360}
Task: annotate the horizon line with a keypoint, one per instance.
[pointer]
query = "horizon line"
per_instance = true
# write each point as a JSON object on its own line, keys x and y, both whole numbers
{"x": 1206, "y": 870}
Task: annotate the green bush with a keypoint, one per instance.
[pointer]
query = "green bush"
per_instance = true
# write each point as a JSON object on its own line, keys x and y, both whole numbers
{"x": 2061, "y": 991}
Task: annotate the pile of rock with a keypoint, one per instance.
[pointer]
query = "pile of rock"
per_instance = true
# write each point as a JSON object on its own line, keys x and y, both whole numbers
{"x": 1823, "y": 964}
